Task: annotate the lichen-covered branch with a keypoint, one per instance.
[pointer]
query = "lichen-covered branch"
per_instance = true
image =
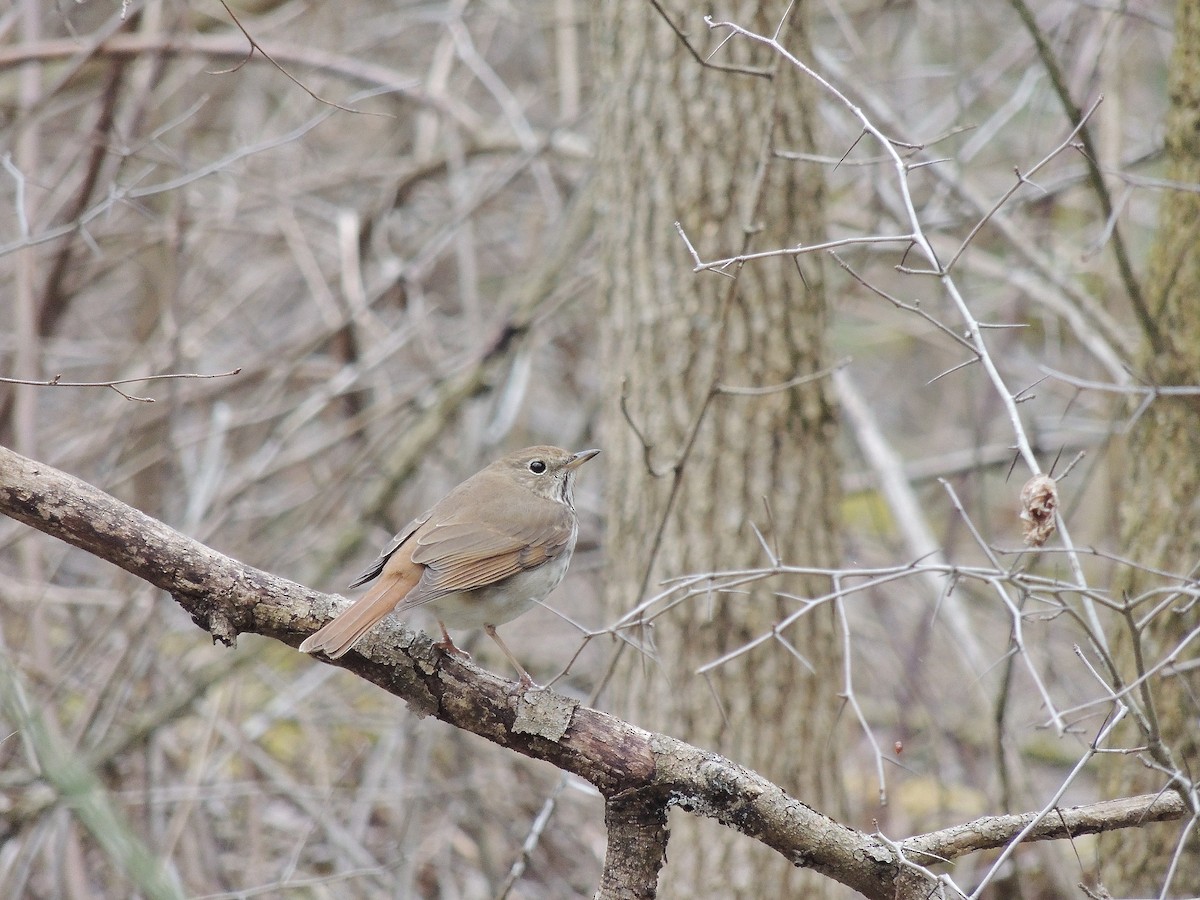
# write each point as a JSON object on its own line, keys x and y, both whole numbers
{"x": 641, "y": 774}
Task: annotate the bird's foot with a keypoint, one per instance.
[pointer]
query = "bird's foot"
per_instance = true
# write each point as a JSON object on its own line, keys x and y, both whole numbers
{"x": 448, "y": 647}
{"x": 525, "y": 683}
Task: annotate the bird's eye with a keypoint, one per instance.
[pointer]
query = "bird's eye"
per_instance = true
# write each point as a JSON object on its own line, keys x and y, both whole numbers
{"x": 537, "y": 467}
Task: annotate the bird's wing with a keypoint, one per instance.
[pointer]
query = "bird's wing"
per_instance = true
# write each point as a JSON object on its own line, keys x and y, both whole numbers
{"x": 482, "y": 546}
{"x": 373, "y": 570}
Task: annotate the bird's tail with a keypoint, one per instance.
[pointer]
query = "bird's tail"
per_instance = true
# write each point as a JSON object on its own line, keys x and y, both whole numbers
{"x": 338, "y": 636}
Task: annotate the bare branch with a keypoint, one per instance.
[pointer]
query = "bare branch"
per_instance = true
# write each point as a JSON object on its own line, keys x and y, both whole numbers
{"x": 1067, "y": 823}
{"x": 57, "y": 381}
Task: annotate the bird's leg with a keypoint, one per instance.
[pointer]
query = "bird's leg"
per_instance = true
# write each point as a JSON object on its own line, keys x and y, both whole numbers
{"x": 526, "y": 681}
{"x": 447, "y": 644}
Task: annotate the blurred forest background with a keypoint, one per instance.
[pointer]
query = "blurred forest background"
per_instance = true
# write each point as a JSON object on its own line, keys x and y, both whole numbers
{"x": 396, "y": 230}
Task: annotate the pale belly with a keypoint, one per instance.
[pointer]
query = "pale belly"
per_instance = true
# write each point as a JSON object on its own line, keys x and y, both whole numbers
{"x": 503, "y": 602}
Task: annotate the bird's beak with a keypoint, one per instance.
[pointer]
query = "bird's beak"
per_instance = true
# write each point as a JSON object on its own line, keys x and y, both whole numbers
{"x": 579, "y": 459}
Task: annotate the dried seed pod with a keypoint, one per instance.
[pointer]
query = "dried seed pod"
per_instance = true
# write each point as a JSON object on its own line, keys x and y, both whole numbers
{"x": 1039, "y": 501}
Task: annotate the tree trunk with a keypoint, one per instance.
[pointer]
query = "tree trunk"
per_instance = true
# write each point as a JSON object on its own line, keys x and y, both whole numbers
{"x": 1161, "y": 514}
{"x": 682, "y": 142}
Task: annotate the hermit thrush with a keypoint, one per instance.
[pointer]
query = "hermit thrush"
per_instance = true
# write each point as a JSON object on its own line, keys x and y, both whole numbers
{"x": 485, "y": 553}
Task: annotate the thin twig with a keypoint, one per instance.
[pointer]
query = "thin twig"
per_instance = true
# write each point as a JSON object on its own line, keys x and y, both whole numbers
{"x": 57, "y": 381}
{"x": 255, "y": 45}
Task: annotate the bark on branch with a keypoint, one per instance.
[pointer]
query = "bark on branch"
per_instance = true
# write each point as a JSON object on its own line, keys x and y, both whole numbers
{"x": 640, "y": 773}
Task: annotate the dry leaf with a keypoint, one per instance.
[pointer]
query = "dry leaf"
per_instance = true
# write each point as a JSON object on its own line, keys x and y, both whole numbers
{"x": 1039, "y": 501}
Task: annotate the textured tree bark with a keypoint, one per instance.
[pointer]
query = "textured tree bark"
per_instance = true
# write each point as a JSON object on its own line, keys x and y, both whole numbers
{"x": 682, "y": 142}
{"x": 635, "y": 769}
{"x": 1161, "y": 512}
{"x": 637, "y": 844}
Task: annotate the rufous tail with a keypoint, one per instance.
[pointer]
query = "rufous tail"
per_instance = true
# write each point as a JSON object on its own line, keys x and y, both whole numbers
{"x": 338, "y": 636}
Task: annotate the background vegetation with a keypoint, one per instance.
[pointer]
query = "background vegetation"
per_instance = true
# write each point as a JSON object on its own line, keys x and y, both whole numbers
{"x": 403, "y": 230}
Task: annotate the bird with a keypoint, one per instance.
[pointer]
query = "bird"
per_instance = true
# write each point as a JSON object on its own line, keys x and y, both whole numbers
{"x": 487, "y": 552}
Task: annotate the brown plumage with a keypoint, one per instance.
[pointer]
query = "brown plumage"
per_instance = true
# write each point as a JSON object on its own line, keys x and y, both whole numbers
{"x": 487, "y": 552}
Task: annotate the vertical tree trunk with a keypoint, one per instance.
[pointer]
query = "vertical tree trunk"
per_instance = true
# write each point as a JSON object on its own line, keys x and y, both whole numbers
{"x": 682, "y": 142}
{"x": 1161, "y": 514}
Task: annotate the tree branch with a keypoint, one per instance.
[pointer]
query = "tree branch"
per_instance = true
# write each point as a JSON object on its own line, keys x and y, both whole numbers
{"x": 996, "y": 831}
{"x": 642, "y": 774}
{"x": 637, "y": 846}
{"x": 226, "y": 597}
